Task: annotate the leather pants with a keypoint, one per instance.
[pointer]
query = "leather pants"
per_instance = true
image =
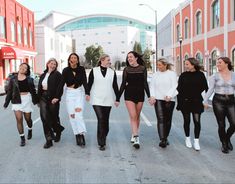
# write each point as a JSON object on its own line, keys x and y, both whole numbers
{"x": 102, "y": 114}
{"x": 49, "y": 114}
{"x": 197, "y": 123}
{"x": 224, "y": 106}
{"x": 164, "y": 112}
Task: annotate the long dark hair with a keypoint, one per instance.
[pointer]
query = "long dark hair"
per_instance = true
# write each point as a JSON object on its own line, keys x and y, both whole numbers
{"x": 195, "y": 63}
{"x": 70, "y": 58}
{"x": 28, "y": 69}
{"x": 227, "y": 61}
{"x": 51, "y": 59}
{"x": 140, "y": 61}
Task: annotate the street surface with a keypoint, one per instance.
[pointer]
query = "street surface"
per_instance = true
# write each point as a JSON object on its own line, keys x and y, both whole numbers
{"x": 66, "y": 162}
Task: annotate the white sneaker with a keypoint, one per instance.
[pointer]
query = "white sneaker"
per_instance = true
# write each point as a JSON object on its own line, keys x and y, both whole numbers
{"x": 188, "y": 142}
{"x": 136, "y": 143}
{"x": 132, "y": 139}
{"x": 196, "y": 144}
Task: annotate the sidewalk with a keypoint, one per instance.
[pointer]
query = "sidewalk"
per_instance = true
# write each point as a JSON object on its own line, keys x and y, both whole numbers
{"x": 2, "y": 92}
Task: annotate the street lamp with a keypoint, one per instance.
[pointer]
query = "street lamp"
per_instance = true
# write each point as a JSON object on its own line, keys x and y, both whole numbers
{"x": 180, "y": 40}
{"x": 156, "y": 51}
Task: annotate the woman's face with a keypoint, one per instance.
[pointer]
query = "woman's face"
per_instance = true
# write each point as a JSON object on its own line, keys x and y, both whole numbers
{"x": 161, "y": 67}
{"x": 221, "y": 65}
{"x": 23, "y": 69}
{"x": 188, "y": 66}
{"x": 132, "y": 60}
{"x": 52, "y": 65}
{"x": 73, "y": 61}
{"x": 105, "y": 62}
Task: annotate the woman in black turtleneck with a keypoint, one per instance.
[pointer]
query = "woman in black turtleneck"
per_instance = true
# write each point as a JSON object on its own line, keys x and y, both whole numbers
{"x": 74, "y": 76}
{"x": 103, "y": 85}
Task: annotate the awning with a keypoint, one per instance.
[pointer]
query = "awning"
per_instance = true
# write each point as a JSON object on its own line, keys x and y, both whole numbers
{"x": 11, "y": 53}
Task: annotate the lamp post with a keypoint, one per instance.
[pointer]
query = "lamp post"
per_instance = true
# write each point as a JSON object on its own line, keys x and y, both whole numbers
{"x": 180, "y": 40}
{"x": 156, "y": 50}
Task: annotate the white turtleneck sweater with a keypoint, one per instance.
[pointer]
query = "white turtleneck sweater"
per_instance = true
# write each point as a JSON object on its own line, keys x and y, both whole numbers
{"x": 164, "y": 84}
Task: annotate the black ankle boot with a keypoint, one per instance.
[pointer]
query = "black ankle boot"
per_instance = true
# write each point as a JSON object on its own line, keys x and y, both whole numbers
{"x": 57, "y": 137}
{"x": 224, "y": 147}
{"x": 22, "y": 142}
{"x": 29, "y": 134}
{"x": 78, "y": 139}
{"x": 48, "y": 144}
{"x": 83, "y": 142}
{"x": 230, "y": 146}
{"x": 163, "y": 143}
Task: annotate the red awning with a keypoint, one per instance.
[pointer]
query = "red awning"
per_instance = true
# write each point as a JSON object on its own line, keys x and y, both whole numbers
{"x": 11, "y": 53}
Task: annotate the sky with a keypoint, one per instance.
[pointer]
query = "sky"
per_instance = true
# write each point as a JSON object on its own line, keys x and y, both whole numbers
{"x": 128, "y": 8}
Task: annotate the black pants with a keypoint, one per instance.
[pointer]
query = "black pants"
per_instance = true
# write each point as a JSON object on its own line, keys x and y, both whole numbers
{"x": 197, "y": 123}
{"x": 102, "y": 114}
{"x": 50, "y": 117}
{"x": 224, "y": 106}
{"x": 164, "y": 111}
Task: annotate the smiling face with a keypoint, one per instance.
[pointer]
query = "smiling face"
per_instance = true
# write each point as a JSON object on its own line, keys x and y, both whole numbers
{"x": 132, "y": 60}
{"x": 23, "y": 69}
{"x": 73, "y": 61}
{"x": 221, "y": 65}
{"x": 161, "y": 66}
{"x": 105, "y": 62}
{"x": 188, "y": 66}
{"x": 52, "y": 65}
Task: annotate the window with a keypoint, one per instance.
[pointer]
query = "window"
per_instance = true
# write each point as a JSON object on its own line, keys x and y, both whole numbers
{"x": 186, "y": 57}
{"x": 31, "y": 38}
{"x": 19, "y": 32}
{"x": 177, "y": 32}
{"x": 215, "y": 14}
{"x": 52, "y": 44}
{"x": 199, "y": 58}
{"x": 162, "y": 52}
{"x": 13, "y": 33}
{"x": 233, "y": 57}
{"x": 123, "y": 41}
{"x": 2, "y": 27}
{"x": 213, "y": 62}
{"x": 198, "y": 23}
{"x": 186, "y": 29}
{"x": 25, "y": 36}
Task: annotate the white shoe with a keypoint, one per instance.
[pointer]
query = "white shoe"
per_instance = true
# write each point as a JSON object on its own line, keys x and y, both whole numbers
{"x": 136, "y": 143}
{"x": 188, "y": 142}
{"x": 196, "y": 144}
{"x": 132, "y": 139}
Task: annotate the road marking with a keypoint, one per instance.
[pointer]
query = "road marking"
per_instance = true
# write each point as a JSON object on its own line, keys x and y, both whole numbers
{"x": 145, "y": 119}
{"x": 35, "y": 121}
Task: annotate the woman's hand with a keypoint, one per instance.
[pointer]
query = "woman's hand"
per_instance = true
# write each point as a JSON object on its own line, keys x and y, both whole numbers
{"x": 116, "y": 103}
{"x": 88, "y": 98}
{"x": 167, "y": 98}
{"x": 206, "y": 106}
{"x": 54, "y": 100}
{"x": 152, "y": 100}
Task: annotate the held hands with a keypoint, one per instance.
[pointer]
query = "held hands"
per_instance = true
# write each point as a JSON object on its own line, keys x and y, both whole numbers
{"x": 151, "y": 100}
{"x": 54, "y": 100}
{"x": 167, "y": 98}
{"x": 116, "y": 103}
{"x": 206, "y": 106}
{"x": 88, "y": 98}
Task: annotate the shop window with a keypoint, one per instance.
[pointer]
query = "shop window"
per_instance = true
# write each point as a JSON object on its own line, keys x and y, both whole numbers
{"x": 2, "y": 27}
{"x": 215, "y": 14}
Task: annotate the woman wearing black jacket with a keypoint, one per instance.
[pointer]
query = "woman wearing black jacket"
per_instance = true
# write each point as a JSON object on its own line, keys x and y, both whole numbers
{"x": 50, "y": 90}
{"x": 21, "y": 93}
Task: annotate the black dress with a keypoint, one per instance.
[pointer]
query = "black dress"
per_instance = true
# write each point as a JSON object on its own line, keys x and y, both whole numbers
{"x": 190, "y": 87}
{"x": 134, "y": 82}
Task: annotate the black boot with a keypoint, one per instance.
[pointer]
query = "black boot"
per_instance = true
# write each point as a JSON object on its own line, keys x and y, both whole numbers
{"x": 83, "y": 142}
{"x": 48, "y": 144}
{"x": 163, "y": 143}
{"x": 230, "y": 146}
{"x": 57, "y": 137}
{"x": 224, "y": 147}
{"x": 22, "y": 142}
{"x": 78, "y": 139}
{"x": 29, "y": 134}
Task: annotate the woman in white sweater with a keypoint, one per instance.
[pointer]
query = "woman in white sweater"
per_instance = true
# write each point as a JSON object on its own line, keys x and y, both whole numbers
{"x": 163, "y": 91}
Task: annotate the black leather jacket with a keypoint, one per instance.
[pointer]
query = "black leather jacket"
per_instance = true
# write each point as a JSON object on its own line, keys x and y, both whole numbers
{"x": 13, "y": 93}
{"x": 54, "y": 85}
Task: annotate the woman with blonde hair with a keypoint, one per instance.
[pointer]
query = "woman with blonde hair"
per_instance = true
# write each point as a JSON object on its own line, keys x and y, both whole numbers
{"x": 103, "y": 87}
{"x": 163, "y": 91}
{"x": 50, "y": 90}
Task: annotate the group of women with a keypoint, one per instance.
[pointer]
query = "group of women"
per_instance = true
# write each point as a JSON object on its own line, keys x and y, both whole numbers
{"x": 102, "y": 92}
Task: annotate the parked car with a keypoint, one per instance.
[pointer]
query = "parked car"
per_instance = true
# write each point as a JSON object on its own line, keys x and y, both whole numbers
{"x": 35, "y": 76}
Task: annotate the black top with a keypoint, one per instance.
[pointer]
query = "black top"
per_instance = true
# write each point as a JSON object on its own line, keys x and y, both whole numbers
{"x": 23, "y": 85}
{"x": 76, "y": 77}
{"x": 190, "y": 87}
{"x": 103, "y": 71}
{"x": 54, "y": 85}
{"x": 134, "y": 82}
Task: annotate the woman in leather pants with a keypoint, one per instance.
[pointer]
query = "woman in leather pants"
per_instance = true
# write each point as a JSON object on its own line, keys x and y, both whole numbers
{"x": 50, "y": 90}
{"x": 222, "y": 84}
{"x": 163, "y": 91}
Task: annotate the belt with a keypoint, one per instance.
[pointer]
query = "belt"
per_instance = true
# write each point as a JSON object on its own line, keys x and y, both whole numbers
{"x": 225, "y": 95}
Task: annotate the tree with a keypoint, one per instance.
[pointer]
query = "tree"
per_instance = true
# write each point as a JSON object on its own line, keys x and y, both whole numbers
{"x": 146, "y": 58}
{"x": 93, "y": 54}
{"x": 137, "y": 48}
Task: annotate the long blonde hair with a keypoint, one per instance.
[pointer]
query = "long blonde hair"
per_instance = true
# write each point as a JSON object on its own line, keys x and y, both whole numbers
{"x": 165, "y": 62}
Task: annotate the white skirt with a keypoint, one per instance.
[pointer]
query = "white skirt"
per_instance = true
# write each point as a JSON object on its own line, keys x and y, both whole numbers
{"x": 26, "y": 104}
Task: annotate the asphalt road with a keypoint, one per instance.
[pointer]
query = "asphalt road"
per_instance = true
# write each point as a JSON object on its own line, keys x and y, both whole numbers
{"x": 65, "y": 162}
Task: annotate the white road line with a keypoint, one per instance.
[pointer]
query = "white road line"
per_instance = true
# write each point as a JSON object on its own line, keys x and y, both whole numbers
{"x": 145, "y": 119}
{"x": 35, "y": 121}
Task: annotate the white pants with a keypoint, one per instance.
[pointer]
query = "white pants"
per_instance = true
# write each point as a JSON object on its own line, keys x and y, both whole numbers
{"x": 75, "y": 98}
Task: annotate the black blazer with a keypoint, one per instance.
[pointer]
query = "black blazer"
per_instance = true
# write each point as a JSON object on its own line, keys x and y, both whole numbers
{"x": 54, "y": 85}
{"x": 13, "y": 93}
